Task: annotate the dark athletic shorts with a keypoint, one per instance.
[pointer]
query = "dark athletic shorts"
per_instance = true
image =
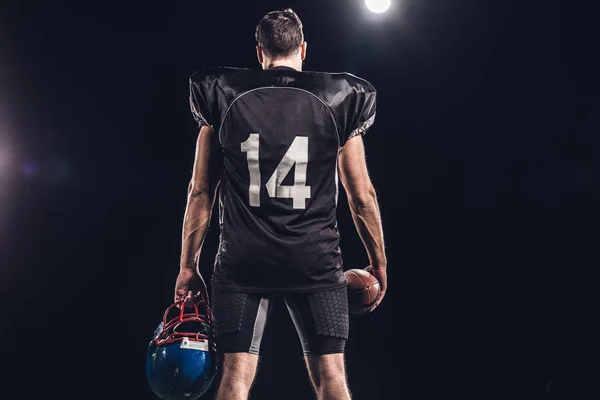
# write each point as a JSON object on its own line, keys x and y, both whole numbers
{"x": 321, "y": 319}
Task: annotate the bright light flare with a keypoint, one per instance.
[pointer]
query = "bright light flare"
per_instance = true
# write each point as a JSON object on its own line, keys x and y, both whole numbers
{"x": 378, "y": 6}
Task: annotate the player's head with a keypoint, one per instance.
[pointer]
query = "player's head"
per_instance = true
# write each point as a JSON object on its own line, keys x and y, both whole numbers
{"x": 280, "y": 38}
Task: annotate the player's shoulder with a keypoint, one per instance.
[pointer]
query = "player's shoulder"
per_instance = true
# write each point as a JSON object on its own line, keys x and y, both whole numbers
{"x": 339, "y": 83}
{"x": 344, "y": 80}
{"x": 354, "y": 81}
{"x": 209, "y": 74}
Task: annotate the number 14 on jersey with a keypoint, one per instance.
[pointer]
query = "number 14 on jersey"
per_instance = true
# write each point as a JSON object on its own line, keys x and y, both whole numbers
{"x": 296, "y": 154}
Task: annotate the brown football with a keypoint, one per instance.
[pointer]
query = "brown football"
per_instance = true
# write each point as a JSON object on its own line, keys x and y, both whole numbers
{"x": 363, "y": 291}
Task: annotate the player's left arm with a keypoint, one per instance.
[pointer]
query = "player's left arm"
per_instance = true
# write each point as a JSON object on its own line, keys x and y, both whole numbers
{"x": 202, "y": 190}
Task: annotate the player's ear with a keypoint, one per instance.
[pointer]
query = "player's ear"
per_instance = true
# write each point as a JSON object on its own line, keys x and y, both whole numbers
{"x": 303, "y": 50}
{"x": 259, "y": 54}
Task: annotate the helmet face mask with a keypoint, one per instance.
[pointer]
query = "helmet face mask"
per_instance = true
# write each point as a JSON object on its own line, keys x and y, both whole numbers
{"x": 182, "y": 360}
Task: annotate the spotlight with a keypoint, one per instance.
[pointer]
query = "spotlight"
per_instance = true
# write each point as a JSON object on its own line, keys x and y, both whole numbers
{"x": 378, "y": 6}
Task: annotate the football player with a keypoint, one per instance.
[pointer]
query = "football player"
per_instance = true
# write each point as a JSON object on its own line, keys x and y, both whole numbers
{"x": 274, "y": 142}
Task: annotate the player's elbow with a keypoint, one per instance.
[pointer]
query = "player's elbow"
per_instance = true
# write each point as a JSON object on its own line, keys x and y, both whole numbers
{"x": 197, "y": 192}
{"x": 363, "y": 200}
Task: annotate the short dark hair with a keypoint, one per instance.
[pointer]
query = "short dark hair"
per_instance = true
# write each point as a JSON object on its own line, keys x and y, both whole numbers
{"x": 279, "y": 33}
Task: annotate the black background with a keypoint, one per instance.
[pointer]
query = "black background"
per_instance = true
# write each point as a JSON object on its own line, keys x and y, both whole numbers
{"x": 481, "y": 154}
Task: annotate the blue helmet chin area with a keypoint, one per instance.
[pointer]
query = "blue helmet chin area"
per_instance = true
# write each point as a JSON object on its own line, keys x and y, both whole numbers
{"x": 182, "y": 370}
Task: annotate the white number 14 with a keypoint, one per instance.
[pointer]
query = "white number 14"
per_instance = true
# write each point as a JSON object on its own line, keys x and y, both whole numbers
{"x": 296, "y": 154}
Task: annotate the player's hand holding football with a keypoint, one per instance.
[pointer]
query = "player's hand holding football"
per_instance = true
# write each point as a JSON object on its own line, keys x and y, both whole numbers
{"x": 190, "y": 287}
{"x": 381, "y": 275}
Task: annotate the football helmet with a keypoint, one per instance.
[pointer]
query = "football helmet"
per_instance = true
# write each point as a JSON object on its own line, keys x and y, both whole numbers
{"x": 182, "y": 360}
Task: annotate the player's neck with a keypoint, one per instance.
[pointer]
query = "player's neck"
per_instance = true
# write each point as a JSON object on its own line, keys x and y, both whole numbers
{"x": 297, "y": 65}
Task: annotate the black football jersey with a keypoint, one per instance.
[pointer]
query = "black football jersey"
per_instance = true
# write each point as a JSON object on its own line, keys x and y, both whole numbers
{"x": 280, "y": 132}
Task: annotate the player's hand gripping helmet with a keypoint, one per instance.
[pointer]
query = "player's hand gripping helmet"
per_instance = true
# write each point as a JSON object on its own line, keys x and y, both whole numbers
{"x": 182, "y": 359}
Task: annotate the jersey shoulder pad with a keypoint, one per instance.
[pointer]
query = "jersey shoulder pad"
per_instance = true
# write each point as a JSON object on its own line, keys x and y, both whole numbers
{"x": 355, "y": 83}
{"x": 209, "y": 74}
{"x": 210, "y": 89}
{"x": 358, "y": 105}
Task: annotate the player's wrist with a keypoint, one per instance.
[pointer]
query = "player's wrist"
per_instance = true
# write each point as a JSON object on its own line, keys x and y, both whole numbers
{"x": 187, "y": 267}
{"x": 379, "y": 266}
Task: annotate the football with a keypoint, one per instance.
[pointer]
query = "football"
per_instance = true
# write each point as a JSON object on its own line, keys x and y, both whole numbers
{"x": 363, "y": 291}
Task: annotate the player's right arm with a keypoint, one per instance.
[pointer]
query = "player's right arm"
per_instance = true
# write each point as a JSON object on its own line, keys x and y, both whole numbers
{"x": 364, "y": 207}
{"x": 202, "y": 192}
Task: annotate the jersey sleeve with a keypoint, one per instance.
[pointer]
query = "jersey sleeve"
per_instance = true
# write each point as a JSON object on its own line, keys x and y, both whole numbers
{"x": 200, "y": 100}
{"x": 362, "y": 110}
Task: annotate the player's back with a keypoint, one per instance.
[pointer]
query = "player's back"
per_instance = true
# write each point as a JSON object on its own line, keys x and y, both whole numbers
{"x": 280, "y": 133}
